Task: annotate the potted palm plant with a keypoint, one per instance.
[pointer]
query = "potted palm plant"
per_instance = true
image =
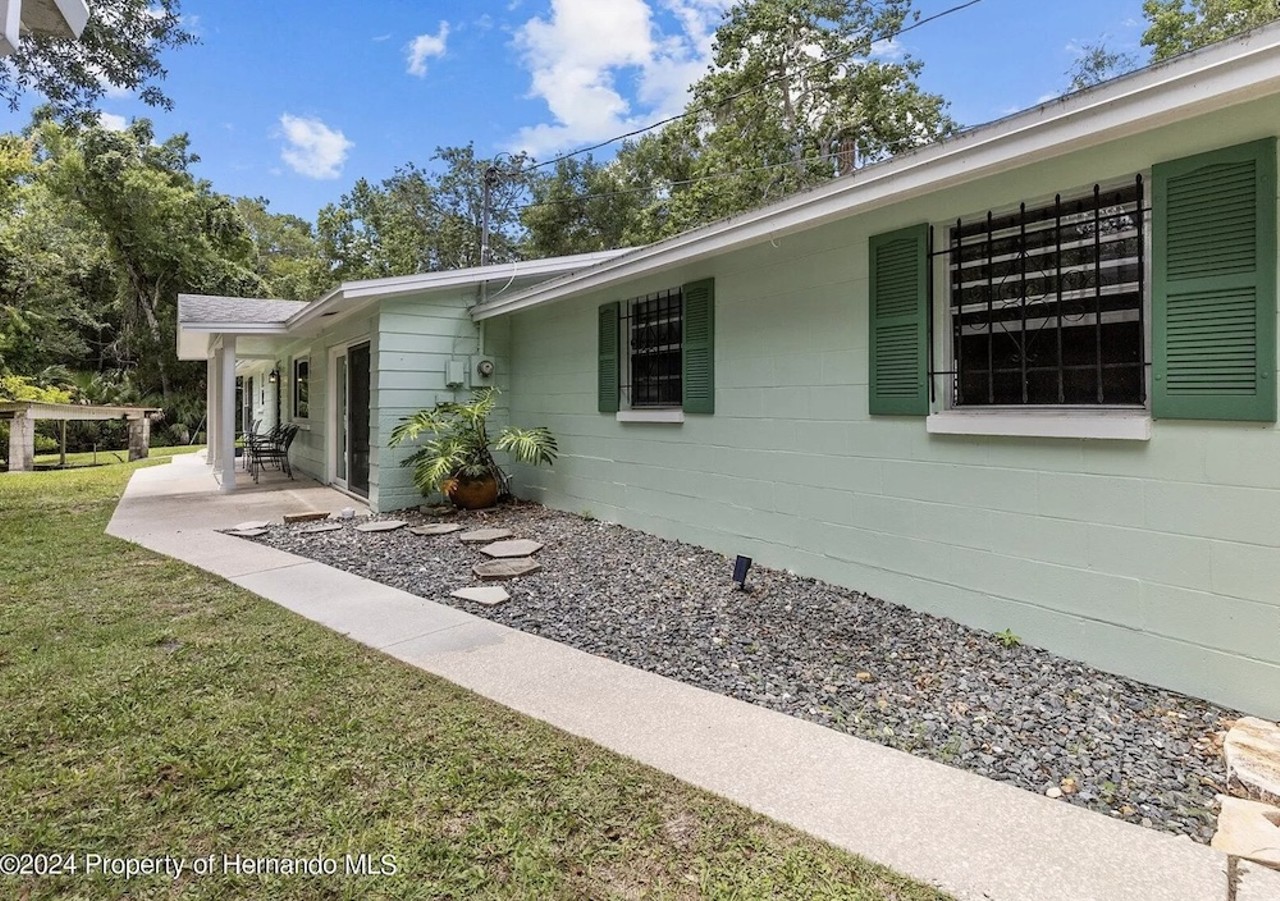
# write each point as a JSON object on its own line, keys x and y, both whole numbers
{"x": 457, "y": 459}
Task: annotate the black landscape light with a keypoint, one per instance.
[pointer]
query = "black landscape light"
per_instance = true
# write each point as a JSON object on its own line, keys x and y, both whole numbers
{"x": 740, "y": 567}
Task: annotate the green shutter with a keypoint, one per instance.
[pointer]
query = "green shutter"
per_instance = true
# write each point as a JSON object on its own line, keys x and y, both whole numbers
{"x": 898, "y": 329}
{"x": 1214, "y": 285}
{"x": 607, "y": 360}
{"x": 698, "y": 370}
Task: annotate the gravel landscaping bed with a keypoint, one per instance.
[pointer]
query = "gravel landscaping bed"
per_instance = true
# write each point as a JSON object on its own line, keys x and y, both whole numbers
{"x": 916, "y": 682}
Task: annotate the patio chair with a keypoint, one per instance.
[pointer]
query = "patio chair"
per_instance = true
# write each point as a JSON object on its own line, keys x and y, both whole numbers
{"x": 274, "y": 450}
{"x": 246, "y": 441}
{"x": 255, "y": 441}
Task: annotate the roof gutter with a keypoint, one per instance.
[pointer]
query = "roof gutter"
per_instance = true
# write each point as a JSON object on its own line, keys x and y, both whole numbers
{"x": 380, "y": 289}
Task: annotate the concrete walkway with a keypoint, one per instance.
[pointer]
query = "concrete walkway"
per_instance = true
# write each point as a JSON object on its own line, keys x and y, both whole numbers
{"x": 974, "y": 837}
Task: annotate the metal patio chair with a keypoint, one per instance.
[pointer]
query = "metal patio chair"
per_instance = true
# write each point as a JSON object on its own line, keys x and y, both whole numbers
{"x": 273, "y": 449}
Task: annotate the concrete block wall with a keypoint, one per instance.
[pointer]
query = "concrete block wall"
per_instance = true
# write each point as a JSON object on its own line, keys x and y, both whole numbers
{"x": 1157, "y": 559}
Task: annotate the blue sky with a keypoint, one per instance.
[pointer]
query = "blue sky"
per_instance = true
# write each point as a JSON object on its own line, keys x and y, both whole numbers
{"x": 294, "y": 101}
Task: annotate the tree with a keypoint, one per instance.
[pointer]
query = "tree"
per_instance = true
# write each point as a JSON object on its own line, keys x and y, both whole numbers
{"x": 164, "y": 232}
{"x": 799, "y": 91}
{"x": 459, "y": 199}
{"x": 1176, "y": 26}
{"x": 1097, "y": 64}
{"x": 580, "y": 207}
{"x": 286, "y": 252}
{"x": 798, "y": 94}
{"x": 55, "y": 281}
{"x": 423, "y": 221}
{"x": 121, "y": 46}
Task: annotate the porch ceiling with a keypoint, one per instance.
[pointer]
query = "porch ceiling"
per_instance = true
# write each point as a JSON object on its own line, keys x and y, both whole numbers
{"x": 55, "y": 18}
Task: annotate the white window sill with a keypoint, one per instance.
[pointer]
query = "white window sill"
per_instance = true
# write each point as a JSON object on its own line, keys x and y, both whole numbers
{"x": 670, "y": 416}
{"x": 303, "y": 424}
{"x": 1127, "y": 425}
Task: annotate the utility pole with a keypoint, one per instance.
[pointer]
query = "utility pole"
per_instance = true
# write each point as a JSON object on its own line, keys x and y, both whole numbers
{"x": 491, "y": 176}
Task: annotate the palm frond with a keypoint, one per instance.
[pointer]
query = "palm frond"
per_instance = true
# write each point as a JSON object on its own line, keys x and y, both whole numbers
{"x": 534, "y": 446}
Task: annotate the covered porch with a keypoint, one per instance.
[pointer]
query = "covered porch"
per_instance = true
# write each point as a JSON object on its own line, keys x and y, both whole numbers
{"x": 240, "y": 340}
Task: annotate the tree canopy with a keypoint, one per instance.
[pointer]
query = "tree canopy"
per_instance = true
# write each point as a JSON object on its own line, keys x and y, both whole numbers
{"x": 1176, "y": 26}
{"x": 120, "y": 47}
{"x": 1173, "y": 27}
{"x": 423, "y": 220}
{"x": 799, "y": 91}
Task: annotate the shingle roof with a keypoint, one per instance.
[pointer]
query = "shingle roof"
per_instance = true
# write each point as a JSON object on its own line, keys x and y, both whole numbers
{"x": 198, "y": 308}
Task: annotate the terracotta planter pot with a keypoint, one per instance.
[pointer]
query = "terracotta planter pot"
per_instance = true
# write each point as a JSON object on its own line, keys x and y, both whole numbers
{"x": 472, "y": 494}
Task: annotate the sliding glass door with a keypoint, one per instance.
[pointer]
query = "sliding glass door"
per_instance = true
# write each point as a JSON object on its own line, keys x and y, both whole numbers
{"x": 351, "y": 382}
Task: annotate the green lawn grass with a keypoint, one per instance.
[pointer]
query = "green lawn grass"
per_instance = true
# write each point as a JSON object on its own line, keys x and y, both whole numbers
{"x": 148, "y": 708}
{"x": 110, "y": 457}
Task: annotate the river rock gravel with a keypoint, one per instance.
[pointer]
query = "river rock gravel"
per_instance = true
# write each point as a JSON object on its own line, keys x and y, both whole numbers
{"x": 882, "y": 672}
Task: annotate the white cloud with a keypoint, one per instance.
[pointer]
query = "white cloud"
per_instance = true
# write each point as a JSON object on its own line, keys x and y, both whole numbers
{"x": 425, "y": 47}
{"x": 312, "y": 148}
{"x": 889, "y": 49}
{"x": 112, "y": 122}
{"x": 605, "y": 66}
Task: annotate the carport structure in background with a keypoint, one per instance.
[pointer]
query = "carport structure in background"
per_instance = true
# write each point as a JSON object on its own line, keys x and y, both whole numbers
{"x": 22, "y": 417}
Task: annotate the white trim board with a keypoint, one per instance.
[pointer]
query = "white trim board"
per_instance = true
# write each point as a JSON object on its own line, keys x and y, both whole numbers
{"x": 1134, "y": 426}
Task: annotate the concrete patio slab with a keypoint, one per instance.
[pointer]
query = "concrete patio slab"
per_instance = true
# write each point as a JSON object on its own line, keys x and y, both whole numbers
{"x": 974, "y": 837}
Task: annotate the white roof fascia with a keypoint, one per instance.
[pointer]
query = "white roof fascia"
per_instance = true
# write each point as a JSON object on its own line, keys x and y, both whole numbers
{"x": 1212, "y": 78}
{"x": 382, "y": 288}
{"x": 75, "y": 13}
{"x": 190, "y": 347}
{"x": 10, "y": 26}
{"x": 235, "y": 328}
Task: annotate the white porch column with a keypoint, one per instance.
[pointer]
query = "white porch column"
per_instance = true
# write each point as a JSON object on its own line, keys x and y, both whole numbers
{"x": 215, "y": 405}
{"x": 210, "y": 406}
{"x": 227, "y": 413}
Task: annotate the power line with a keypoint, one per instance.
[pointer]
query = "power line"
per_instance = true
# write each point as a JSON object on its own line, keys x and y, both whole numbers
{"x": 785, "y": 76}
{"x": 579, "y": 198}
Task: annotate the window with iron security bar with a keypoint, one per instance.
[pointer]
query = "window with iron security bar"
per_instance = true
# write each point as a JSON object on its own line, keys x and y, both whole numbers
{"x": 653, "y": 327}
{"x": 1047, "y": 303}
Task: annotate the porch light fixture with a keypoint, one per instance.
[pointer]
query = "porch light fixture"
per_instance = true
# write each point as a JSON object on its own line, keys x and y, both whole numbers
{"x": 274, "y": 377}
{"x": 740, "y": 567}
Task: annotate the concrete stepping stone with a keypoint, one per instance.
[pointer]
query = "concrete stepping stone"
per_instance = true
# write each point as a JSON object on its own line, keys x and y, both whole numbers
{"x": 327, "y": 527}
{"x": 308, "y": 516}
{"x": 484, "y": 536}
{"x": 436, "y": 528}
{"x": 247, "y": 533}
{"x": 250, "y": 525}
{"x": 520, "y": 547}
{"x": 505, "y": 569}
{"x": 381, "y": 525}
{"x": 488, "y": 595}
{"x": 1248, "y": 829}
{"x": 1252, "y": 752}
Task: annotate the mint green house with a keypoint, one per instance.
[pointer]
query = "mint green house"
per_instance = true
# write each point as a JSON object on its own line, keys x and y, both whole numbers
{"x": 1024, "y": 378}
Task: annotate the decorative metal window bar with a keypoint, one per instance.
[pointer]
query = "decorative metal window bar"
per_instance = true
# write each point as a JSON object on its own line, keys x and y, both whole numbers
{"x": 1047, "y": 304}
{"x": 653, "y": 327}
